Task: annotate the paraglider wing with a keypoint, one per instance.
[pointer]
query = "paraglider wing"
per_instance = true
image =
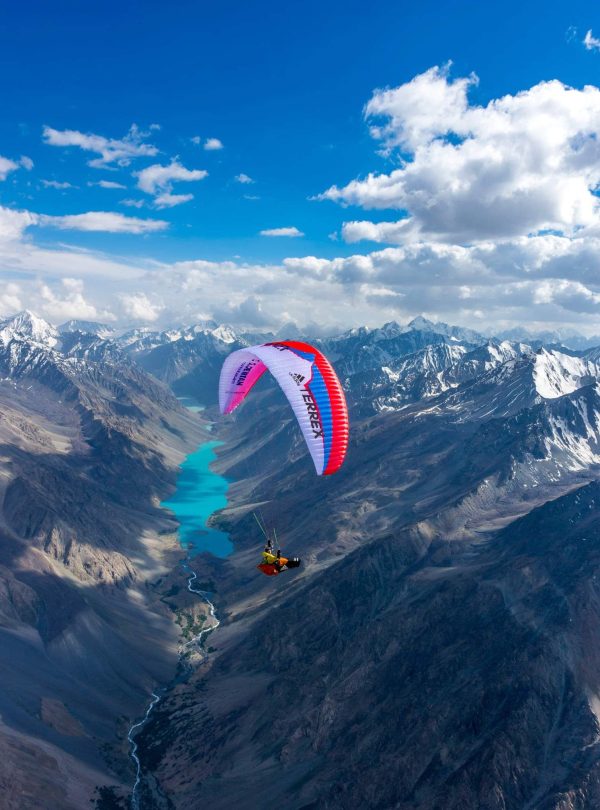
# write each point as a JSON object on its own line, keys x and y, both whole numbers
{"x": 311, "y": 386}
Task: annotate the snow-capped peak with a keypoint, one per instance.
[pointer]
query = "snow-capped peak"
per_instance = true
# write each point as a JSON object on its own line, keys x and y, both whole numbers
{"x": 224, "y": 333}
{"x": 556, "y": 374}
{"x": 27, "y": 325}
{"x": 388, "y": 331}
{"x": 101, "y": 330}
{"x": 420, "y": 323}
{"x": 457, "y": 333}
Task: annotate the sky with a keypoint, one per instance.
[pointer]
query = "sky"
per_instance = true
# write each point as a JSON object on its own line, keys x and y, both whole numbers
{"x": 330, "y": 164}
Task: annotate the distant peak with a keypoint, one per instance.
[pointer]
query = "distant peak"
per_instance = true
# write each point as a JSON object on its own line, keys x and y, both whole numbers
{"x": 88, "y": 327}
{"x": 27, "y": 324}
{"x": 224, "y": 333}
{"x": 421, "y": 323}
{"x": 289, "y": 331}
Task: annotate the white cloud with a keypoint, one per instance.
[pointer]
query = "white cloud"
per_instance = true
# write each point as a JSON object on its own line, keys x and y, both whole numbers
{"x": 138, "y": 307}
{"x": 14, "y": 223}
{"x": 251, "y": 197}
{"x": 110, "y": 150}
{"x": 158, "y": 180}
{"x": 167, "y": 200}
{"x": 105, "y": 221}
{"x": 422, "y": 110}
{"x": 243, "y": 178}
{"x": 390, "y": 232}
{"x": 133, "y": 203}
{"x": 550, "y": 279}
{"x": 56, "y": 184}
{"x": 590, "y": 42}
{"x": 496, "y": 224}
{"x": 282, "y": 232}
{"x": 522, "y": 164}
{"x": 21, "y": 258}
{"x": 10, "y": 301}
{"x": 7, "y": 166}
{"x": 212, "y": 144}
{"x": 108, "y": 184}
{"x": 26, "y": 162}
{"x": 570, "y": 295}
{"x": 248, "y": 312}
{"x": 70, "y": 304}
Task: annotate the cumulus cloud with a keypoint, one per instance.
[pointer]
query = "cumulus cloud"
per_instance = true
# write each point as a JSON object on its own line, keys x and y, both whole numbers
{"x": 138, "y": 307}
{"x": 243, "y": 178}
{"x": 522, "y": 164}
{"x": 495, "y": 224}
{"x": 7, "y": 166}
{"x": 105, "y": 221}
{"x": 282, "y": 232}
{"x": 167, "y": 200}
{"x": 26, "y": 162}
{"x": 212, "y": 144}
{"x": 590, "y": 42}
{"x": 110, "y": 150}
{"x": 209, "y": 144}
{"x": 13, "y": 223}
{"x": 10, "y": 300}
{"x": 390, "y": 232}
{"x": 248, "y": 312}
{"x": 549, "y": 279}
{"x": 157, "y": 177}
{"x": 521, "y": 280}
{"x": 158, "y": 180}
{"x": 68, "y": 303}
{"x": 570, "y": 295}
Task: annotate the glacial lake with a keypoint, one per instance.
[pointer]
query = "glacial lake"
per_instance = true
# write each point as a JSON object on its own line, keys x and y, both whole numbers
{"x": 199, "y": 493}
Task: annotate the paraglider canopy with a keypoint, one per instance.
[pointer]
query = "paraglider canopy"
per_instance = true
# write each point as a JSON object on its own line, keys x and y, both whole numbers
{"x": 310, "y": 385}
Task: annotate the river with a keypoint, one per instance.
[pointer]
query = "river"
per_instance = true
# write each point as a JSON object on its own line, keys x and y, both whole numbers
{"x": 199, "y": 493}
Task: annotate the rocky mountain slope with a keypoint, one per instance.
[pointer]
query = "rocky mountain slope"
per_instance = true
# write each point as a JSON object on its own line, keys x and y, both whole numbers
{"x": 411, "y": 674}
{"x": 433, "y": 652}
{"x": 87, "y": 450}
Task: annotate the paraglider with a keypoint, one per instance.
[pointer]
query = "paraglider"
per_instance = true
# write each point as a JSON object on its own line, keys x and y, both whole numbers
{"x": 310, "y": 385}
{"x": 317, "y": 399}
{"x": 274, "y": 563}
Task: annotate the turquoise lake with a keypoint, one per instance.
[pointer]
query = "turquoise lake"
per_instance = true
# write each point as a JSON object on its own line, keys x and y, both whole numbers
{"x": 191, "y": 404}
{"x": 199, "y": 493}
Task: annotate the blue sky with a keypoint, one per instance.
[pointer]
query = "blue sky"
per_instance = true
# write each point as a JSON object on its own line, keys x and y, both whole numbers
{"x": 283, "y": 89}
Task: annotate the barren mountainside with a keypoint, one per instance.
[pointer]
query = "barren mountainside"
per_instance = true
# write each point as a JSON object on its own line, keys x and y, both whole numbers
{"x": 87, "y": 450}
{"x": 435, "y": 650}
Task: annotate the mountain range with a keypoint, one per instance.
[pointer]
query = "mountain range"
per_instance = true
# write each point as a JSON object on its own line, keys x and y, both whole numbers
{"x": 435, "y": 650}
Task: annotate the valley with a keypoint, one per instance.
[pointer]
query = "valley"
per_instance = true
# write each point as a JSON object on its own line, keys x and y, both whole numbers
{"x": 432, "y": 651}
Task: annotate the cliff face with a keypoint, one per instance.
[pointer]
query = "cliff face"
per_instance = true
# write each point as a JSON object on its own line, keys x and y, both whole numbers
{"x": 88, "y": 448}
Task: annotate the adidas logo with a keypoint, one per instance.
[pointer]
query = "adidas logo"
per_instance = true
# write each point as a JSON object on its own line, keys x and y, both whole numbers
{"x": 297, "y": 378}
